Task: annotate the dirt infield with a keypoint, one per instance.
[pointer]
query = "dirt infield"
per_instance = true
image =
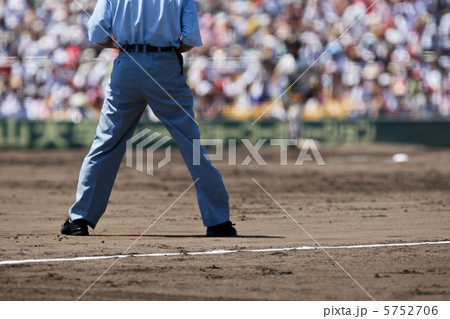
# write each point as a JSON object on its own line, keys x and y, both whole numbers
{"x": 359, "y": 197}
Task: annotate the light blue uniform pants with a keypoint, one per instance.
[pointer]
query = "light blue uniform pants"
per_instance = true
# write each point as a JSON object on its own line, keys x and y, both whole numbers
{"x": 130, "y": 90}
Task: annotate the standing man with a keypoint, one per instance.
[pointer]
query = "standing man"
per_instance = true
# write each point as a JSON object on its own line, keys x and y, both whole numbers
{"x": 151, "y": 36}
{"x": 302, "y": 81}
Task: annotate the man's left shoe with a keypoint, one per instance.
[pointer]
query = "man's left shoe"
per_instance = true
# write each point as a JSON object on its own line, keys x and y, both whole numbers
{"x": 222, "y": 230}
{"x": 78, "y": 227}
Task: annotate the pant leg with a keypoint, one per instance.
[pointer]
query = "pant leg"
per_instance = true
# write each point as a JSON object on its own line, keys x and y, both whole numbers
{"x": 122, "y": 109}
{"x": 212, "y": 196}
{"x": 211, "y": 193}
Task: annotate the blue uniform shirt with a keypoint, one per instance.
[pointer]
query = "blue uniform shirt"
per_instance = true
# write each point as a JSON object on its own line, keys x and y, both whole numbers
{"x": 160, "y": 23}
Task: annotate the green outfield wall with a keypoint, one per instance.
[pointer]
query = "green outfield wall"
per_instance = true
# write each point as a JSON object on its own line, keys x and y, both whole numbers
{"x": 49, "y": 134}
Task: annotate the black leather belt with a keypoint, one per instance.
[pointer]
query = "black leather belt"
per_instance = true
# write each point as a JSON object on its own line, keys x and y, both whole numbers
{"x": 146, "y": 48}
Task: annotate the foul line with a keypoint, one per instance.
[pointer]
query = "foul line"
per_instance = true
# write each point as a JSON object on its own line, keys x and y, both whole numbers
{"x": 219, "y": 252}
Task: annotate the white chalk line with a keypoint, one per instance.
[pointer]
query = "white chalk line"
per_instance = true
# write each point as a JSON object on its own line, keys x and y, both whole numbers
{"x": 219, "y": 252}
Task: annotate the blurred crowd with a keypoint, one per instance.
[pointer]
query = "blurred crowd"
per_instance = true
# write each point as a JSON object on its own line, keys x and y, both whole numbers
{"x": 261, "y": 58}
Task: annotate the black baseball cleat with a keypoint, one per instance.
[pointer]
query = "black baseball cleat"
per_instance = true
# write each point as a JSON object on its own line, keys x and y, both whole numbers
{"x": 78, "y": 227}
{"x": 222, "y": 230}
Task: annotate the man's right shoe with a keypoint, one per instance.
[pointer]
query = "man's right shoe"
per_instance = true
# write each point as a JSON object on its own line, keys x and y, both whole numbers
{"x": 222, "y": 230}
{"x": 78, "y": 227}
